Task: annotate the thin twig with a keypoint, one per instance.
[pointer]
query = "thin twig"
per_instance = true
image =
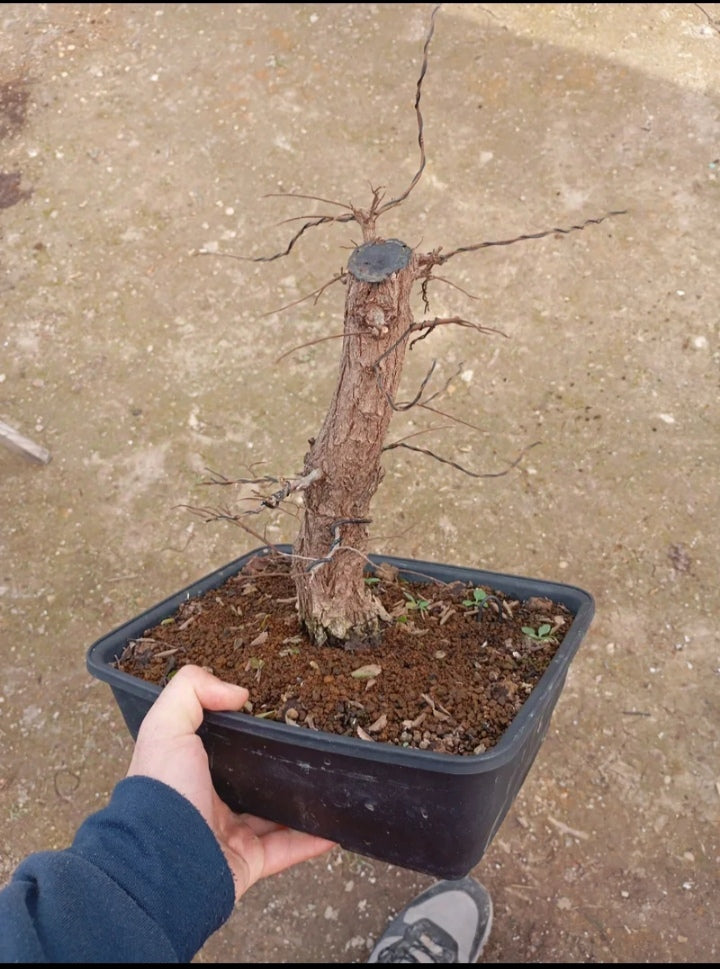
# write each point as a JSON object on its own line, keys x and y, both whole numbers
{"x": 424, "y": 430}
{"x": 364, "y": 219}
{"x": 428, "y": 326}
{"x": 210, "y": 514}
{"x": 450, "y": 417}
{"x": 311, "y": 224}
{"x": 218, "y": 252}
{"x": 297, "y": 484}
{"x": 413, "y": 328}
{"x": 300, "y": 218}
{"x": 221, "y": 479}
{"x": 564, "y": 829}
{"x": 317, "y": 293}
{"x": 312, "y": 198}
{"x": 418, "y": 395}
{"x": 320, "y": 339}
{"x": 273, "y": 501}
{"x": 421, "y": 142}
{"x": 436, "y": 259}
{"x": 472, "y": 474}
{"x": 444, "y": 388}
{"x": 449, "y": 282}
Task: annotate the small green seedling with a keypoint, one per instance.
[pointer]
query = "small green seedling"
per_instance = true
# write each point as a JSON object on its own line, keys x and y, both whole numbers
{"x": 479, "y": 599}
{"x": 543, "y": 633}
{"x": 372, "y": 580}
{"x": 422, "y": 605}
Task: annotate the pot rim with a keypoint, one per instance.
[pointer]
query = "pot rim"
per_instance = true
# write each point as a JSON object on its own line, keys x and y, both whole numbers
{"x": 580, "y": 602}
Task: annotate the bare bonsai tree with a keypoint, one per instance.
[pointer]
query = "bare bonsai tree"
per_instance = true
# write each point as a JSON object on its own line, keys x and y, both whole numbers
{"x": 342, "y": 470}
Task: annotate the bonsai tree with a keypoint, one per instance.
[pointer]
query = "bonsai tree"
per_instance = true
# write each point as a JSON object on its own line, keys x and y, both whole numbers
{"x": 448, "y": 683}
{"x": 343, "y": 468}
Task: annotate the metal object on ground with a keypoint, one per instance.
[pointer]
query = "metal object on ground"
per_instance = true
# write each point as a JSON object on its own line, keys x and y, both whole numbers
{"x": 17, "y": 442}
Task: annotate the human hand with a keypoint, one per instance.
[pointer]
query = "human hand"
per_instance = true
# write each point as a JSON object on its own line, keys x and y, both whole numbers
{"x": 169, "y": 750}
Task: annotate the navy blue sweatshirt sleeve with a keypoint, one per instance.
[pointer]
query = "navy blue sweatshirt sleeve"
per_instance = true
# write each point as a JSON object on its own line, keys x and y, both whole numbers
{"x": 144, "y": 880}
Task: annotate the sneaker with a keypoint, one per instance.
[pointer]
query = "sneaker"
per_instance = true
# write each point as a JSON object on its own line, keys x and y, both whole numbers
{"x": 449, "y": 922}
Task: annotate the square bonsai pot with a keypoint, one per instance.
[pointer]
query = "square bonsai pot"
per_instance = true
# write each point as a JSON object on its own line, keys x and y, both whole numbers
{"x": 430, "y": 812}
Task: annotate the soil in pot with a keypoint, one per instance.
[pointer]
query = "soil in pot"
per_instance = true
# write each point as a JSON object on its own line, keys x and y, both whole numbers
{"x": 454, "y": 666}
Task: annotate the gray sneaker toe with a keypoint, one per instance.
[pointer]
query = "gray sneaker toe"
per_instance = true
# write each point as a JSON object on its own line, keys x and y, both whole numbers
{"x": 450, "y": 922}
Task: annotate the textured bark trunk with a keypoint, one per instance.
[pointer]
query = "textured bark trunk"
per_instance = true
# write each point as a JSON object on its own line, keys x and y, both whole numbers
{"x": 335, "y": 603}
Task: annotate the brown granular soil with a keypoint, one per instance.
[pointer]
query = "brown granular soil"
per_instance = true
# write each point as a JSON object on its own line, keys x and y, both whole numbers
{"x": 446, "y": 676}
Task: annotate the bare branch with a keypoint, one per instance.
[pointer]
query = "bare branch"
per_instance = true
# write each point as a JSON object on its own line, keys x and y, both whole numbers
{"x": 377, "y": 193}
{"x": 320, "y": 339}
{"x": 303, "y": 218}
{"x": 221, "y": 479}
{"x": 436, "y": 259}
{"x": 364, "y": 219}
{"x": 424, "y": 292}
{"x": 312, "y": 198}
{"x": 421, "y": 142}
{"x": 424, "y": 430}
{"x": 449, "y": 282}
{"x": 472, "y": 474}
{"x": 459, "y": 321}
{"x": 210, "y": 514}
{"x": 311, "y": 224}
{"x": 418, "y": 395}
{"x": 317, "y": 293}
{"x": 216, "y": 252}
{"x": 413, "y": 328}
{"x": 450, "y": 417}
{"x": 269, "y": 501}
{"x": 428, "y": 326}
{"x": 443, "y": 389}
{"x": 298, "y": 484}
{"x": 425, "y": 404}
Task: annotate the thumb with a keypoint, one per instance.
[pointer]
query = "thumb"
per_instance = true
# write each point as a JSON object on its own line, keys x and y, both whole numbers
{"x": 179, "y": 708}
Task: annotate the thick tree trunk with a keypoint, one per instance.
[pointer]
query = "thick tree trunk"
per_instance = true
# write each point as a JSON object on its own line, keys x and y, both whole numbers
{"x": 335, "y": 603}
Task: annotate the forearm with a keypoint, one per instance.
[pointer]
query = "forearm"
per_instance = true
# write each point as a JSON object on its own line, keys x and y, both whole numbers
{"x": 144, "y": 881}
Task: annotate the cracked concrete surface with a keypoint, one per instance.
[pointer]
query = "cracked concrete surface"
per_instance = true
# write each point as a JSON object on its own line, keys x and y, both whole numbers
{"x": 144, "y": 133}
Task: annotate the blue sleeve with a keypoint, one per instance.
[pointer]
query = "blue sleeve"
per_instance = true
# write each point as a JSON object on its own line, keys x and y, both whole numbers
{"x": 144, "y": 880}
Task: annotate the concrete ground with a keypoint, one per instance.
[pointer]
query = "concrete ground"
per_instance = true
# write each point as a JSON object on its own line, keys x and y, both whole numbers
{"x": 135, "y": 135}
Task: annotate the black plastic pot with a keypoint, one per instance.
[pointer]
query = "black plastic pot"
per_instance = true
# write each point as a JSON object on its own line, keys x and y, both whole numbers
{"x": 434, "y": 813}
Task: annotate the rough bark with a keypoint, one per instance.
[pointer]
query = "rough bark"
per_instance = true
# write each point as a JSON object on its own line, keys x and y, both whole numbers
{"x": 335, "y": 603}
